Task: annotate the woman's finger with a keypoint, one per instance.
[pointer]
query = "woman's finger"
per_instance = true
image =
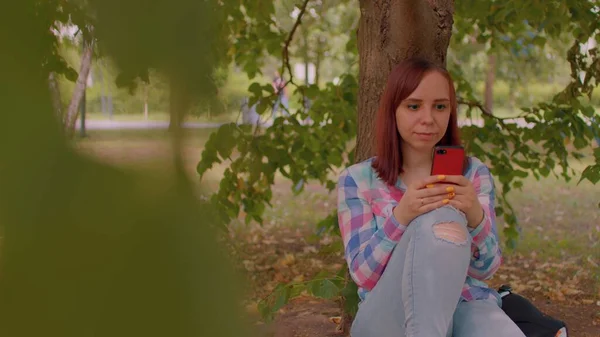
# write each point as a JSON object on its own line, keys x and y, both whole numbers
{"x": 457, "y": 203}
{"x": 458, "y": 180}
{"x": 434, "y": 199}
{"x": 462, "y": 190}
{"x": 435, "y": 205}
{"x": 429, "y": 181}
{"x": 437, "y": 189}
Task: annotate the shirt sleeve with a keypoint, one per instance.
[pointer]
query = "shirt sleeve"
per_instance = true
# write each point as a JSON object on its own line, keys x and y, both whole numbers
{"x": 486, "y": 255}
{"x": 367, "y": 248}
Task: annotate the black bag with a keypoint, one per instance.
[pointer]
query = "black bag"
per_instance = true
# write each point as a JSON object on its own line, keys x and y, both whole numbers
{"x": 528, "y": 318}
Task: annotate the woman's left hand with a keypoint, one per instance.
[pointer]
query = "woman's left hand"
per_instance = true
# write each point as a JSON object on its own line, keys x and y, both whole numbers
{"x": 465, "y": 199}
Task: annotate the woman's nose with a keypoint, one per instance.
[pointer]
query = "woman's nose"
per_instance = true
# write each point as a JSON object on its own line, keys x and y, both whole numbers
{"x": 427, "y": 115}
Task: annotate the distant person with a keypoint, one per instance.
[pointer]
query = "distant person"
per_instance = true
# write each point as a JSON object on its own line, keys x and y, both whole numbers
{"x": 282, "y": 96}
{"x": 249, "y": 114}
{"x": 419, "y": 247}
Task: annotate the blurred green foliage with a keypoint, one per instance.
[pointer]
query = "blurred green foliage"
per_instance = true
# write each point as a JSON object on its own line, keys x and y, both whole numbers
{"x": 89, "y": 250}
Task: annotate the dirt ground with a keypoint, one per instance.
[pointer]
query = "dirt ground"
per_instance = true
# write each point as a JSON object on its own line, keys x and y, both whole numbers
{"x": 556, "y": 265}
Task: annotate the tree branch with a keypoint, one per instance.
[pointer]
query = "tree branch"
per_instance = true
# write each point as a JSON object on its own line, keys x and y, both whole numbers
{"x": 486, "y": 112}
{"x": 285, "y": 52}
{"x": 475, "y": 104}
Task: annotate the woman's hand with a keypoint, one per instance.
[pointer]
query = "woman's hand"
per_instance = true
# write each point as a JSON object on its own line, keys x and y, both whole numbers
{"x": 466, "y": 199}
{"x": 423, "y": 197}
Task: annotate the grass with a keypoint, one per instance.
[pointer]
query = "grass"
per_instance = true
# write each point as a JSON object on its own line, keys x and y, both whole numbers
{"x": 560, "y": 221}
{"x": 162, "y": 117}
{"x": 502, "y": 112}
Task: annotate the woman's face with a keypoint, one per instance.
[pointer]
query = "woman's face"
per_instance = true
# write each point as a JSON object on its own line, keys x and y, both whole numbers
{"x": 422, "y": 118}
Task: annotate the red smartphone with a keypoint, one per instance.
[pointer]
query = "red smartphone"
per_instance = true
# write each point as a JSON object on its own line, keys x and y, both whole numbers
{"x": 448, "y": 160}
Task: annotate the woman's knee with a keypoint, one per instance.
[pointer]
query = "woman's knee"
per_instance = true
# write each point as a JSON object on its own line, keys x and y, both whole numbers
{"x": 445, "y": 223}
{"x": 469, "y": 315}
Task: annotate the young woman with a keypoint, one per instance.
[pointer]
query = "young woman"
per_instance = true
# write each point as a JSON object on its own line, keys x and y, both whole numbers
{"x": 418, "y": 246}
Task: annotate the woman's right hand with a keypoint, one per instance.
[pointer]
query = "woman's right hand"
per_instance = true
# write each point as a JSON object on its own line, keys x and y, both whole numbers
{"x": 422, "y": 197}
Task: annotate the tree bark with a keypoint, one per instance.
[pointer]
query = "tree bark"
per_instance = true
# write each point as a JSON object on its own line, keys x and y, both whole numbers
{"x": 179, "y": 103}
{"x": 146, "y": 101}
{"x": 318, "y": 56}
{"x": 80, "y": 86}
{"x": 389, "y": 32}
{"x": 488, "y": 101}
{"x": 56, "y": 99}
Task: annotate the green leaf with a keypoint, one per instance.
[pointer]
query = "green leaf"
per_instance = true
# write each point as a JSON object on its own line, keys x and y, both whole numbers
{"x": 351, "y": 298}
{"x": 580, "y": 143}
{"x": 518, "y": 184}
{"x": 255, "y": 89}
{"x": 540, "y": 41}
{"x": 282, "y": 296}
{"x": 324, "y": 289}
{"x": 588, "y": 111}
{"x": 71, "y": 74}
{"x": 591, "y": 173}
{"x": 520, "y": 173}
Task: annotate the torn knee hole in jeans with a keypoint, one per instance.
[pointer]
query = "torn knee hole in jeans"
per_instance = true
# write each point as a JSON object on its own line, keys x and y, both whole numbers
{"x": 452, "y": 232}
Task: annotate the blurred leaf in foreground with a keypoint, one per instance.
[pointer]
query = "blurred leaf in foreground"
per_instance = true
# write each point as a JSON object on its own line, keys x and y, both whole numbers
{"x": 89, "y": 250}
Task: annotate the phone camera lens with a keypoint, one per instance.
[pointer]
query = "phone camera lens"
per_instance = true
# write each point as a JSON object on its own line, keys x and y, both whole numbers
{"x": 441, "y": 151}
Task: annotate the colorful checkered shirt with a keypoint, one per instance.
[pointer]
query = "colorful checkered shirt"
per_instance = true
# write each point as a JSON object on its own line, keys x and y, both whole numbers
{"x": 370, "y": 231}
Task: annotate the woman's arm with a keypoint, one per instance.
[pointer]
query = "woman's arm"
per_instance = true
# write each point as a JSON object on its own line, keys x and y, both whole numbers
{"x": 486, "y": 254}
{"x": 367, "y": 249}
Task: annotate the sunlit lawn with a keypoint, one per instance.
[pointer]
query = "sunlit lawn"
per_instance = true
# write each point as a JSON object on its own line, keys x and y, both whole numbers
{"x": 560, "y": 221}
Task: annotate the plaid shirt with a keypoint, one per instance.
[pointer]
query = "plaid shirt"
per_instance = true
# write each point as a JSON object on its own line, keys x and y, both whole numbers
{"x": 370, "y": 231}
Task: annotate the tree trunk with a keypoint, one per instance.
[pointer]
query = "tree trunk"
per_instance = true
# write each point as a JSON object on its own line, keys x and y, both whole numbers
{"x": 389, "y": 32}
{"x": 80, "y": 86}
{"x": 178, "y": 103}
{"x": 56, "y": 99}
{"x": 306, "y": 61}
{"x": 146, "y": 101}
{"x": 490, "y": 76}
{"x": 318, "y": 56}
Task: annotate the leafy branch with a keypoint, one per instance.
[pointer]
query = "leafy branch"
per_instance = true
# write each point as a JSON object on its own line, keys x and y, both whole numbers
{"x": 285, "y": 52}
{"x": 321, "y": 286}
{"x": 477, "y": 104}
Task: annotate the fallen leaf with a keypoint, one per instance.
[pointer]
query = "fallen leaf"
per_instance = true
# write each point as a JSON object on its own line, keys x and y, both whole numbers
{"x": 570, "y": 291}
{"x": 252, "y": 307}
{"x": 310, "y": 249}
{"x": 335, "y": 319}
{"x": 287, "y": 260}
{"x": 249, "y": 265}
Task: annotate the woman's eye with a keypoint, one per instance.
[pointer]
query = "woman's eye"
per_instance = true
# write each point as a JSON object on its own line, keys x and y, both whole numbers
{"x": 440, "y": 106}
{"x": 413, "y": 107}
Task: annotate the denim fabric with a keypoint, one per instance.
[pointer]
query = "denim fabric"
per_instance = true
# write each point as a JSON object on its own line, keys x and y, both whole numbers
{"x": 418, "y": 294}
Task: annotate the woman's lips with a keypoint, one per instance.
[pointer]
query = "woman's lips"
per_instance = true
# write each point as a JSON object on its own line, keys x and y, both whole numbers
{"x": 425, "y": 135}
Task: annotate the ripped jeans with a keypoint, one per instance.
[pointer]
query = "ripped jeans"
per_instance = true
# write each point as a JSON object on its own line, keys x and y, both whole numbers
{"x": 418, "y": 294}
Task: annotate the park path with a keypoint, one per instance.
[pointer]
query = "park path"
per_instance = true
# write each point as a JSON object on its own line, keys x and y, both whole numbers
{"x": 132, "y": 125}
{"x": 124, "y": 125}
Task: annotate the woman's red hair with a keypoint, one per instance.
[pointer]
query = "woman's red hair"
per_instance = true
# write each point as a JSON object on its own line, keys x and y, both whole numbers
{"x": 402, "y": 81}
